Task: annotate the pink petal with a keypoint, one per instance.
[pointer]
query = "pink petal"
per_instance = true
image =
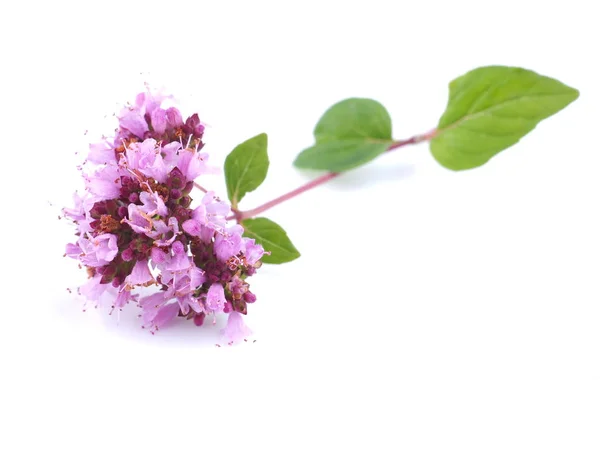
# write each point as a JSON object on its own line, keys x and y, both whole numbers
{"x": 174, "y": 117}
{"x": 101, "y": 153}
{"x": 197, "y": 277}
{"x": 169, "y": 153}
{"x": 215, "y": 299}
{"x": 73, "y": 251}
{"x": 165, "y": 315}
{"x": 199, "y": 214}
{"x": 133, "y": 122}
{"x": 180, "y": 260}
{"x": 192, "y": 227}
{"x": 230, "y": 244}
{"x": 235, "y": 330}
{"x": 140, "y": 274}
{"x": 93, "y": 289}
{"x": 158, "y": 256}
{"x": 253, "y": 251}
{"x": 152, "y": 301}
{"x": 192, "y": 164}
{"x": 105, "y": 183}
{"x": 107, "y": 248}
{"x": 159, "y": 120}
{"x": 123, "y": 298}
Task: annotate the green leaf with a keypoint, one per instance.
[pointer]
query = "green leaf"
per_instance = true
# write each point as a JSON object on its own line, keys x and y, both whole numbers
{"x": 273, "y": 238}
{"x": 246, "y": 167}
{"x": 354, "y": 118}
{"x": 350, "y": 134}
{"x": 338, "y": 156}
{"x": 492, "y": 108}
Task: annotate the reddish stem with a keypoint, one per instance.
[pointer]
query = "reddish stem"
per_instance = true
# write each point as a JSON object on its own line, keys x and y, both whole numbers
{"x": 241, "y": 215}
{"x": 200, "y": 187}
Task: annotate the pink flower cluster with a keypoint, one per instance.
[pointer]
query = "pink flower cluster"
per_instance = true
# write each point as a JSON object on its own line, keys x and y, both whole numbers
{"x": 136, "y": 226}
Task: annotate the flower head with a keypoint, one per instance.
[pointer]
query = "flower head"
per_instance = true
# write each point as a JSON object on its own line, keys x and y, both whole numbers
{"x": 137, "y": 225}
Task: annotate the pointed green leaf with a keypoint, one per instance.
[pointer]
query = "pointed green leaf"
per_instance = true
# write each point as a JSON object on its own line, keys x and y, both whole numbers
{"x": 349, "y": 134}
{"x": 338, "y": 156}
{"x": 246, "y": 167}
{"x": 492, "y": 108}
{"x": 273, "y": 238}
{"x": 354, "y": 118}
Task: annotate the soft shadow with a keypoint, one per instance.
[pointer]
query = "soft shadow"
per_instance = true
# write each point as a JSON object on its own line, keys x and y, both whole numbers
{"x": 179, "y": 333}
{"x": 368, "y": 176}
{"x": 127, "y": 325}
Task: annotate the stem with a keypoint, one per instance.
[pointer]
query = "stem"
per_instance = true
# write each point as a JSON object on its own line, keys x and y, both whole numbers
{"x": 241, "y": 215}
{"x": 413, "y": 140}
{"x": 306, "y": 187}
{"x": 200, "y": 187}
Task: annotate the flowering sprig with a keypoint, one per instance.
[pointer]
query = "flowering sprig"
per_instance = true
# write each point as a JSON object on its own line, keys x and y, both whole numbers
{"x": 137, "y": 227}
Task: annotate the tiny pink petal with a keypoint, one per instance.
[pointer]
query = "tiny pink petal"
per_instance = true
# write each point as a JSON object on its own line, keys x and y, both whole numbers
{"x": 253, "y": 251}
{"x": 105, "y": 183}
{"x": 192, "y": 227}
{"x": 123, "y": 298}
{"x": 152, "y": 301}
{"x": 230, "y": 243}
{"x": 153, "y": 204}
{"x": 160, "y": 316}
{"x": 215, "y": 298}
{"x": 101, "y": 153}
{"x": 180, "y": 260}
{"x": 174, "y": 118}
{"x": 159, "y": 120}
{"x": 199, "y": 214}
{"x": 235, "y": 330}
{"x": 158, "y": 256}
{"x": 73, "y": 251}
{"x": 140, "y": 274}
{"x": 133, "y": 122}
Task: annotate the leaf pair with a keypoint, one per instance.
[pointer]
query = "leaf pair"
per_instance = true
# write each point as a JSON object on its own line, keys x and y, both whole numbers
{"x": 246, "y": 168}
{"x": 489, "y": 109}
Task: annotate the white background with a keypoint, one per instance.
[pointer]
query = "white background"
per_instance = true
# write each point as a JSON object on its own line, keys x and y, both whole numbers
{"x": 430, "y": 309}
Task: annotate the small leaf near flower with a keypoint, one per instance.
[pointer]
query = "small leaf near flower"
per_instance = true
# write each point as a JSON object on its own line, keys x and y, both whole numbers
{"x": 246, "y": 167}
{"x": 273, "y": 238}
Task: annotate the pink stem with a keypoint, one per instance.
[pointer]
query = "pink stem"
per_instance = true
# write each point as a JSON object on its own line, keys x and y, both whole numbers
{"x": 311, "y": 184}
{"x": 413, "y": 140}
{"x": 241, "y": 215}
{"x": 200, "y": 187}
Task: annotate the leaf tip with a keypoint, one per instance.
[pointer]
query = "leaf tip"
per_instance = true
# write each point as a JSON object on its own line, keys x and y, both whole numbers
{"x": 300, "y": 162}
{"x": 297, "y": 162}
{"x": 262, "y": 137}
{"x": 575, "y": 92}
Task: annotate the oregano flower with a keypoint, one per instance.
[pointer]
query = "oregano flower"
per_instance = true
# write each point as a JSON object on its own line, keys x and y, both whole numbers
{"x": 137, "y": 226}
